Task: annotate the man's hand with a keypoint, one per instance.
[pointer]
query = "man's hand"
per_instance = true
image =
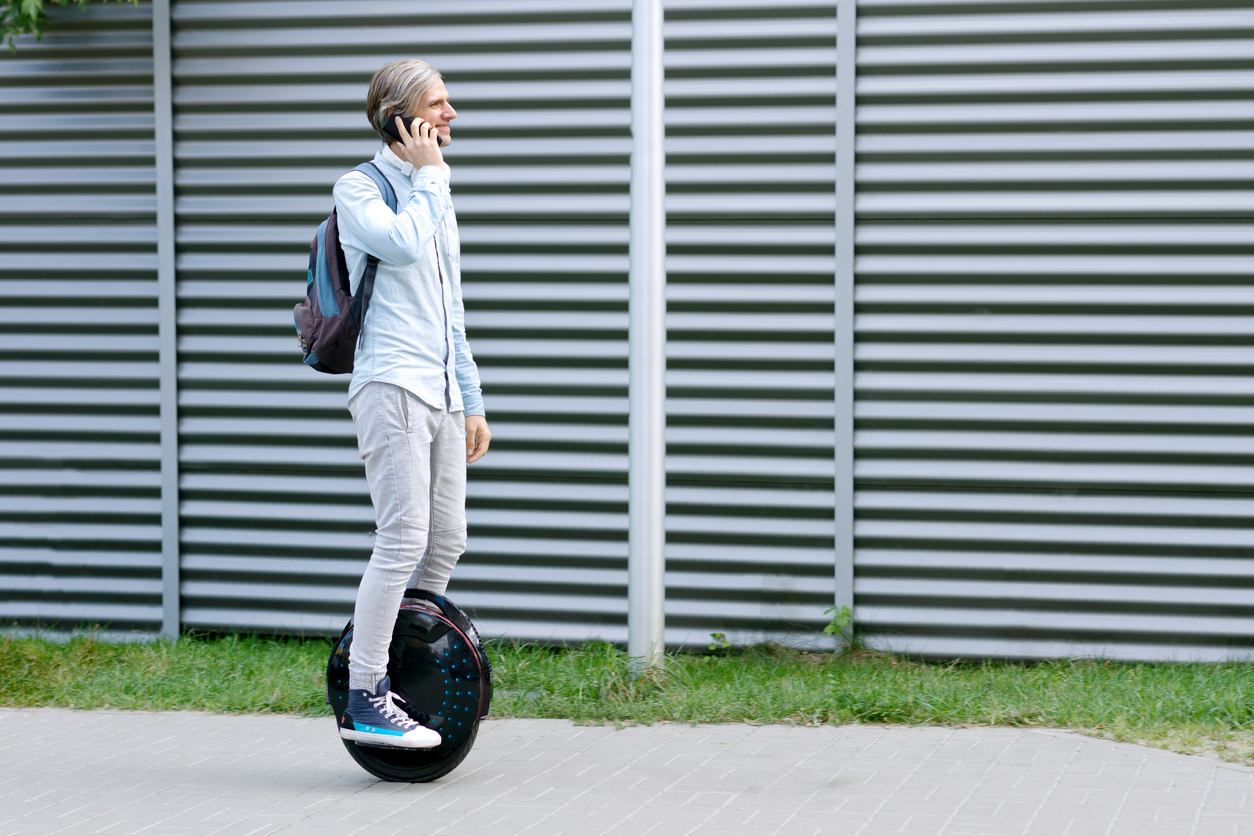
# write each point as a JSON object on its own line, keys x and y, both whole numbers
{"x": 477, "y": 437}
{"x": 420, "y": 148}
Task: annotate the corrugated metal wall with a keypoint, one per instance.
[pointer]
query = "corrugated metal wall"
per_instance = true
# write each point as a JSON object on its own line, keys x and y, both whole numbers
{"x": 1054, "y": 212}
{"x": 1054, "y": 327}
{"x": 750, "y": 121}
{"x": 79, "y": 451}
{"x": 268, "y": 112}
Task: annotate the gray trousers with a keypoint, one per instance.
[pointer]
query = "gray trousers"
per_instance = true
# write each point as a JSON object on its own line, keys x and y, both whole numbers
{"x": 416, "y": 467}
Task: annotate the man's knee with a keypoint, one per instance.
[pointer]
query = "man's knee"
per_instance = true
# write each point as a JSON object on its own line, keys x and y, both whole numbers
{"x": 450, "y": 542}
{"x": 405, "y": 543}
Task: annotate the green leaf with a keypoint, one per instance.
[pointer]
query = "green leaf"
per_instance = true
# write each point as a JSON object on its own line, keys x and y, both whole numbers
{"x": 28, "y": 17}
{"x": 840, "y": 619}
{"x": 31, "y": 10}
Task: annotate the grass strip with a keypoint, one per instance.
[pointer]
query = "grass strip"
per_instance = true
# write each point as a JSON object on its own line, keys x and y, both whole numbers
{"x": 1200, "y": 708}
{"x": 231, "y": 674}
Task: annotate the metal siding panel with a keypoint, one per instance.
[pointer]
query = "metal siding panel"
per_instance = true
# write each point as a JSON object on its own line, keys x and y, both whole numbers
{"x": 277, "y": 520}
{"x": 543, "y": 226}
{"x": 80, "y": 531}
{"x": 1052, "y": 320}
{"x": 1053, "y": 328}
{"x": 750, "y": 214}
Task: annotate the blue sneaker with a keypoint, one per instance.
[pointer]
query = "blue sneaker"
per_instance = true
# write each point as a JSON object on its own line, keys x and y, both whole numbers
{"x": 376, "y": 719}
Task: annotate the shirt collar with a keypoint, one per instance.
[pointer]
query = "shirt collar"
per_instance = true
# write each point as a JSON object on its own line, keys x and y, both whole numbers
{"x": 406, "y": 167}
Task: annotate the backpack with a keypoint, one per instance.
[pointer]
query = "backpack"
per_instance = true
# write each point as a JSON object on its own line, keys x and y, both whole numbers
{"x": 329, "y": 321}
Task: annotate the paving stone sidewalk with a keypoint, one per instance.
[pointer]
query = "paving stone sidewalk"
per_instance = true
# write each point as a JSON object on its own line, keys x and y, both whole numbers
{"x": 187, "y": 774}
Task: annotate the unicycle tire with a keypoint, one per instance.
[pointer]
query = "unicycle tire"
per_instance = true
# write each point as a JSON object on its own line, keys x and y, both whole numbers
{"x": 438, "y": 666}
{"x": 412, "y": 765}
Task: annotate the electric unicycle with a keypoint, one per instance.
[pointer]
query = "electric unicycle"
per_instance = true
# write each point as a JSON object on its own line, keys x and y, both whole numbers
{"x": 438, "y": 667}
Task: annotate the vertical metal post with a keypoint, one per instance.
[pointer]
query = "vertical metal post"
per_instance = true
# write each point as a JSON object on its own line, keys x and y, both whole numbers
{"x": 163, "y": 95}
{"x": 646, "y": 536}
{"x": 846, "y": 78}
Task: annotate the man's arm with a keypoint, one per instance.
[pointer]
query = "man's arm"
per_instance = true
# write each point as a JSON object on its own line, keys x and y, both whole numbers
{"x": 400, "y": 238}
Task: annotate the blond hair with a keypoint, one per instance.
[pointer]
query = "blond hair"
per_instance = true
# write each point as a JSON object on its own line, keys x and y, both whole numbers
{"x": 399, "y": 86}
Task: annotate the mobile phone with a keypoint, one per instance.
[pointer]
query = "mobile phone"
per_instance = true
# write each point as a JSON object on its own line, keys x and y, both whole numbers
{"x": 389, "y": 128}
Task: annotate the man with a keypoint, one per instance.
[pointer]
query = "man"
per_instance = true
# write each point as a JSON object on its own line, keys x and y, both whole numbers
{"x": 415, "y": 396}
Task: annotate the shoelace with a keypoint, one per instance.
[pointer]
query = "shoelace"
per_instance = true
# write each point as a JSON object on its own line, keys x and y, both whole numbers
{"x": 387, "y": 706}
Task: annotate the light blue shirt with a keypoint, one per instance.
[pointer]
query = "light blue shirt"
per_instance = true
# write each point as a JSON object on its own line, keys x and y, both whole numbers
{"x": 414, "y": 335}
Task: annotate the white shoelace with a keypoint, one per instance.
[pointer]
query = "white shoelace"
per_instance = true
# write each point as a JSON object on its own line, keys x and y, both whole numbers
{"x": 387, "y": 705}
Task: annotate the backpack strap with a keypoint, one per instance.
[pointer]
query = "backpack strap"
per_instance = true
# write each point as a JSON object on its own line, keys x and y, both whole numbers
{"x": 385, "y": 188}
{"x": 366, "y": 289}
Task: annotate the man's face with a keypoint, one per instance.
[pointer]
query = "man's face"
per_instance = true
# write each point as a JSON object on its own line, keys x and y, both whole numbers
{"x": 434, "y": 107}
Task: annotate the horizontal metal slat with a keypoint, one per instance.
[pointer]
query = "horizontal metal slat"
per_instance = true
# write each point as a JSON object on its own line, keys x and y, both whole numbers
{"x": 82, "y": 505}
{"x": 744, "y": 408}
{"x": 80, "y": 612}
{"x": 1153, "y": 567}
{"x": 1162, "y": 114}
{"x": 737, "y": 60}
{"x": 75, "y": 586}
{"x": 1073, "y": 325}
{"x": 1004, "y": 143}
{"x": 89, "y": 533}
{"x": 387, "y": 33}
{"x": 36, "y": 204}
{"x": 1052, "y": 236}
{"x": 1183, "y": 629}
{"x": 1056, "y": 504}
{"x": 975, "y": 413}
{"x": 124, "y": 70}
{"x": 1060, "y": 203}
{"x": 1075, "y": 357}
{"x": 1043, "y": 25}
{"x": 121, "y": 177}
{"x": 130, "y": 480}
{"x": 1149, "y": 649}
{"x": 1043, "y": 53}
{"x": 1076, "y": 385}
{"x": 99, "y": 371}
{"x": 137, "y": 97}
{"x": 1070, "y": 295}
{"x": 983, "y": 442}
{"x": 1036, "y": 592}
{"x": 1036, "y": 475}
{"x": 1080, "y": 535}
{"x": 1222, "y": 173}
{"x": 38, "y": 315}
{"x": 79, "y": 559}
{"x": 246, "y": 67}
{"x": 96, "y": 123}
{"x": 73, "y": 396}
{"x": 81, "y": 451}
{"x": 103, "y": 149}
{"x": 1159, "y": 82}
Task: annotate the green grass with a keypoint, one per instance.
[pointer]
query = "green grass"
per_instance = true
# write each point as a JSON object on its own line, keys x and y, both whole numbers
{"x": 230, "y": 674}
{"x": 1184, "y": 707}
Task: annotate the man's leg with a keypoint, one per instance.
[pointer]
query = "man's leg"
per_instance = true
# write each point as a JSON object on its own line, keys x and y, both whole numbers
{"x": 446, "y": 541}
{"x": 394, "y": 435}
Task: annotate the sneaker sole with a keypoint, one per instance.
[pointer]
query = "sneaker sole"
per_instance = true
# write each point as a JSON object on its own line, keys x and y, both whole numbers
{"x": 389, "y": 741}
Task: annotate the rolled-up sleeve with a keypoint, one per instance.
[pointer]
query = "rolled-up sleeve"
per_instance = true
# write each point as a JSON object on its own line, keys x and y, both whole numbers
{"x": 399, "y": 238}
{"x": 467, "y": 371}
